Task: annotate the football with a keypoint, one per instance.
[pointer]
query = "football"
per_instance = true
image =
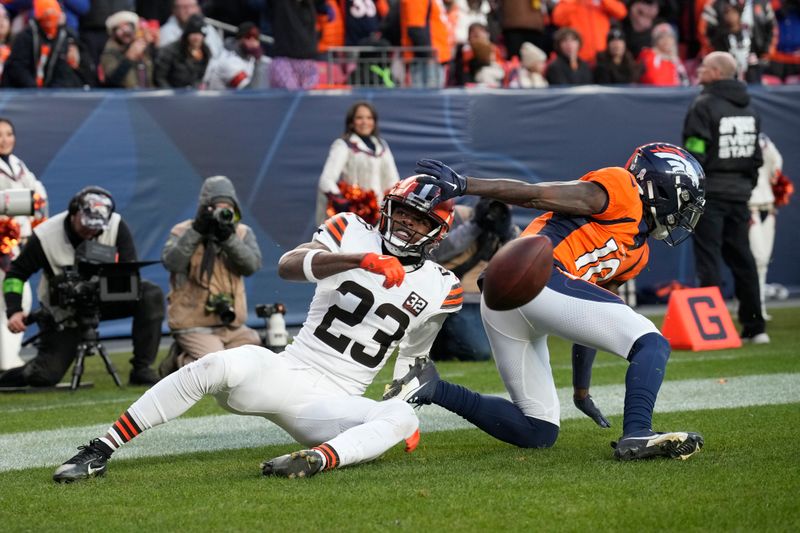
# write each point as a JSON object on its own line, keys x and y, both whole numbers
{"x": 518, "y": 272}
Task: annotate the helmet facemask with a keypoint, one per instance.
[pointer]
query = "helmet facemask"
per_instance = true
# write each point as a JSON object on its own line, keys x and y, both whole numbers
{"x": 665, "y": 222}
{"x": 405, "y": 246}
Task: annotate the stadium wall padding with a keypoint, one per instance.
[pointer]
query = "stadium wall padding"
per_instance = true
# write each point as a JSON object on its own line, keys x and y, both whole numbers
{"x": 153, "y": 149}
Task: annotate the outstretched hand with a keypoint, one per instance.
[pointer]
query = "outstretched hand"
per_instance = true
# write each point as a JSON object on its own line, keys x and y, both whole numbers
{"x": 385, "y": 265}
{"x": 450, "y": 183}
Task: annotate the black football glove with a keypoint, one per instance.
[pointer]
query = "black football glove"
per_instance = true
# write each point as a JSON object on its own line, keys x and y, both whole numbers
{"x": 450, "y": 183}
{"x": 588, "y": 408}
{"x": 204, "y": 220}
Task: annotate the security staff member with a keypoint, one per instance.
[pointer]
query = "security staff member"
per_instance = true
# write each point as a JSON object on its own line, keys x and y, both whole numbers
{"x": 52, "y": 247}
{"x": 721, "y": 130}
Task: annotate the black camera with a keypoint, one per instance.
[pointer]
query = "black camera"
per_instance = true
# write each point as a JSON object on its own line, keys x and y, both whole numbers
{"x": 267, "y": 310}
{"x": 223, "y": 215}
{"x": 222, "y": 306}
{"x": 94, "y": 279}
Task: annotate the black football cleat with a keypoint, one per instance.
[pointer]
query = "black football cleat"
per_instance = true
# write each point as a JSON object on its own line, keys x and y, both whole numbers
{"x": 417, "y": 386}
{"x": 677, "y": 445}
{"x": 590, "y": 409}
{"x": 304, "y": 463}
{"x": 91, "y": 461}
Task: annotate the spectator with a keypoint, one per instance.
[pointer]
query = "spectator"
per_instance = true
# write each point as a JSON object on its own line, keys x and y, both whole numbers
{"x": 661, "y": 65}
{"x": 174, "y": 28}
{"x": 523, "y": 21}
{"x": 5, "y": 37}
{"x": 208, "y": 259}
{"x": 479, "y": 61}
{"x": 591, "y": 19}
{"x": 638, "y": 25}
{"x": 530, "y": 73}
{"x": 784, "y": 62}
{"x": 244, "y": 67}
{"x": 183, "y": 63}
{"x": 362, "y": 19}
{"x": 465, "y": 13}
{"x": 721, "y": 129}
{"x": 51, "y": 249}
{"x": 762, "y": 213}
{"x": 359, "y": 169}
{"x": 616, "y": 64}
{"x": 757, "y": 21}
{"x": 568, "y": 68}
{"x": 14, "y": 231}
{"x": 73, "y": 10}
{"x": 94, "y": 34}
{"x": 295, "y": 48}
{"x": 424, "y": 24}
{"x": 730, "y": 34}
{"x": 127, "y": 60}
{"x": 466, "y": 252}
{"x": 47, "y": 53}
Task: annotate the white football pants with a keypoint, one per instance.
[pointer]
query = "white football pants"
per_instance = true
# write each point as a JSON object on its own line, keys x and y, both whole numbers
{"x": 251, "y": 380}
{"x": 570, "y": 308}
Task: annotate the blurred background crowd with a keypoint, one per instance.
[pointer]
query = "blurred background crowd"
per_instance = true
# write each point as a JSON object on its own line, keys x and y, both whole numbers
{"x": 304, "y": 44}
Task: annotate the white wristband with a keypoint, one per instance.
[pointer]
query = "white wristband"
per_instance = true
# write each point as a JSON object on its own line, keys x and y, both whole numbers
{"x": 309, "y": 274}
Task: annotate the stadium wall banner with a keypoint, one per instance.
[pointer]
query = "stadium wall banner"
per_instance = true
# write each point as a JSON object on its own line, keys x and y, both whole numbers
{"x": 153, "y": 149}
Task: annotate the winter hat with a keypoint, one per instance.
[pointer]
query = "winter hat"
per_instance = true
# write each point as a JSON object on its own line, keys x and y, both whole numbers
{"x": 48, "y": 14}
{"x": 95, "y": 211}
{"x": 530, "y": 55}
{"x": 247, "y": 29}
{"x": 194, "y": 25}
{"x": 615, "y": 34}
{"x": 121, "y": 17}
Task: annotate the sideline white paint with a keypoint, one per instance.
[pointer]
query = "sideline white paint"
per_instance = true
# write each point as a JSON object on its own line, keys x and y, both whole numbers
{"x": 222, "y": 432}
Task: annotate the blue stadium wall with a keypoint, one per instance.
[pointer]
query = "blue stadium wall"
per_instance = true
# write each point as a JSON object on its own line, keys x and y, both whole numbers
{"x": 153, "y": 149}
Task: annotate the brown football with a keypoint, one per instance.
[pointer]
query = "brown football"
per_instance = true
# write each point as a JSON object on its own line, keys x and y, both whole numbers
{"x": 518, "y": 272}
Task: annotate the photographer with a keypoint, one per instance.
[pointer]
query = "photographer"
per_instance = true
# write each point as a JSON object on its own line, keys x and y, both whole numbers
{"x": 208, "y": 258}
{"x": 466, "y": 252}
{"x": 52, "y": 248}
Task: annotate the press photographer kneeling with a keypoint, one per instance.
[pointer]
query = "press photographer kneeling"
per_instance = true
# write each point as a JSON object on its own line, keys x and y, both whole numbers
{"x": 52, "y": 248}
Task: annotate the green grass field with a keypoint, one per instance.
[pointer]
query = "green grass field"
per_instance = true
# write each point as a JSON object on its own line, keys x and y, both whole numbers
{"x": 746, "y": 478}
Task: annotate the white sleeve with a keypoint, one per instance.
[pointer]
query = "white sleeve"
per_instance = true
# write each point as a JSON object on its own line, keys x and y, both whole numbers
{"x": 332, "y": 231}
{"x": 417, "y": 343}
{"x": 332, "y": 171}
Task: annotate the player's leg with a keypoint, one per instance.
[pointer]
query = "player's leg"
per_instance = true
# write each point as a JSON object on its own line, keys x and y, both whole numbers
{"x": 214, "y": 374}
{"x": 343, "y": 430}
{"x": 589, "y": 315}
{"x": 531, "y": 419}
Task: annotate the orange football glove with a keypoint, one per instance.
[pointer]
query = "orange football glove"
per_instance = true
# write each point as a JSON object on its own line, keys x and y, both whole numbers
{"x": 385, "y": 265}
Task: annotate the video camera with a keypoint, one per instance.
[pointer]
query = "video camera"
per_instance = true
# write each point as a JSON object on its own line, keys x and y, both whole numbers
{"x": 94, "y": 279}
{"x": 16, "y": 202}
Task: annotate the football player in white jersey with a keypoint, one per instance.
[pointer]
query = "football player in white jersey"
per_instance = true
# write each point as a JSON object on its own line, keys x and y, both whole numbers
{"x": 375, "y": 291}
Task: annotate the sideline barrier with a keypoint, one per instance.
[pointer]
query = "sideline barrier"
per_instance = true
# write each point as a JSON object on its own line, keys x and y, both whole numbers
{"x": 698, "y": 320}
{"x": 152, "y": 149}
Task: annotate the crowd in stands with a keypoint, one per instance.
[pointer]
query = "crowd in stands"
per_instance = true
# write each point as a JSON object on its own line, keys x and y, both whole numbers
{"x": 494, "y": 43}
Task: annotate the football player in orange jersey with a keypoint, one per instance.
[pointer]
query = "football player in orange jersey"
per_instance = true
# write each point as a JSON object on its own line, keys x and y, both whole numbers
{"x": 599, "y": 226}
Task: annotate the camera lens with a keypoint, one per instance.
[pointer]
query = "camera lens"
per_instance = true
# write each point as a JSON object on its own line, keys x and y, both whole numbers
{"x": 224, "y": 215}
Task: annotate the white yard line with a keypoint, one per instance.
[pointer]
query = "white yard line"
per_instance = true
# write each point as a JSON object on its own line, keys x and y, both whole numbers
{"x": 223, "y": 432}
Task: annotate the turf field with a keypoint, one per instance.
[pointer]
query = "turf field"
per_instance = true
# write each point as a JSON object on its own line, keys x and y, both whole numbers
{"x": 200, "y": 473}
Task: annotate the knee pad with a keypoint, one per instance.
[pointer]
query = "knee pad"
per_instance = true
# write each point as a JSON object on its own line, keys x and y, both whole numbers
{"x": 542, "y": 434}
{"x": 399, "y": 414}
{"x": 653, "y": 343}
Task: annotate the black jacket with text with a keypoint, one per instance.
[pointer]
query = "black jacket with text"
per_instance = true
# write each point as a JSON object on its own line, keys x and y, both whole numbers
{"x": 721, "y": 130}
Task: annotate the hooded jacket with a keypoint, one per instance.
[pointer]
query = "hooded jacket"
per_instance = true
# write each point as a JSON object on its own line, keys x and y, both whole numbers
{"x": 721, "y": 130}
{"x": 196, "y": 275}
